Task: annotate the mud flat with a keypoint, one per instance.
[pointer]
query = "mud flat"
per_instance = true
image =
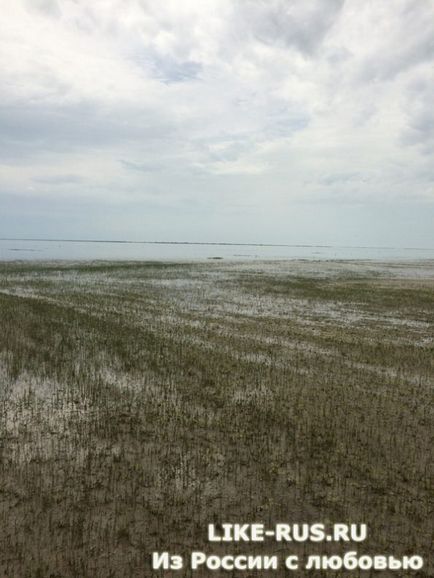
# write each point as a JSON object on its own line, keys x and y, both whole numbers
{"x": 141, "y": 401}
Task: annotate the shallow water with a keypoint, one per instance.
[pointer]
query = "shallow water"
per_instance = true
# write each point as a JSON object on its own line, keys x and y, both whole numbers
{"x": 11, "y": 250}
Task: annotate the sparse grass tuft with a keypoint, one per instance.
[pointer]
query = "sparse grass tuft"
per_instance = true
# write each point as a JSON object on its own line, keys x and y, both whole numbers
{"x": 141, "y": 401}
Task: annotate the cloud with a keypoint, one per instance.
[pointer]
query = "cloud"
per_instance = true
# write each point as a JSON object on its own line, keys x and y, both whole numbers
{"x": 299, "y": 25}
{"x": 59, "y": 180}
{"x": 218, "y": 103}
{"x": 402, "y": 39}
{"x": 419, "y": 95}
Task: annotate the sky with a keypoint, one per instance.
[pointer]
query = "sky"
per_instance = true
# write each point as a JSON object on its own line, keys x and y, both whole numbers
{"x": 280, "y": 121}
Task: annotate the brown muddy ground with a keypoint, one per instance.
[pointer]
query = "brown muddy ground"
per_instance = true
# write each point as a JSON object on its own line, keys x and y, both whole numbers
{"x": 141, "y": 401}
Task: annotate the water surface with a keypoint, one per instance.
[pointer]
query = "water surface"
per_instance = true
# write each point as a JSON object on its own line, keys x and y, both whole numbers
{"x": 11, "y": 250}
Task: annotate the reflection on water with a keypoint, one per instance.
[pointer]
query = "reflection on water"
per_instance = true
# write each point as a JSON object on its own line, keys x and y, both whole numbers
{"x": 11, "y": 250}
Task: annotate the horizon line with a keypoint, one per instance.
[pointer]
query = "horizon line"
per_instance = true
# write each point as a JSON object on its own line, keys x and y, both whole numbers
{"x": 211, "y": 243}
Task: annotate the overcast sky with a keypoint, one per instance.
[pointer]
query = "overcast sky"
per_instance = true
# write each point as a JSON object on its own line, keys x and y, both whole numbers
{"x": 293, "y": 121}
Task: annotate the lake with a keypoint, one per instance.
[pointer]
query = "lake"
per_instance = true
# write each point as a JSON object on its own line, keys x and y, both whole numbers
{"x": 11, "y": 250}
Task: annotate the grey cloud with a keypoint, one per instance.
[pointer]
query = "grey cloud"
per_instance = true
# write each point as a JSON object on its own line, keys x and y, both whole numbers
{"x": 423, "y": 123}
{"x": 143, "y": 167}
{"x": 409, "y": 43}
{"x": 169, "y": 70}
{"x": 165, "y": 67}
{"x": 59, "y": 180}
{"x": 30, "y": 129}
{"x": 286, "y": 123}
{"x": 386, "y": 66}
{"x": 342, "y": 178}
{"x": 228, "y": 151}
{"x": 419, "y": 130}
{"x": 48, "y": 7}
{"x": 296, "y": 24}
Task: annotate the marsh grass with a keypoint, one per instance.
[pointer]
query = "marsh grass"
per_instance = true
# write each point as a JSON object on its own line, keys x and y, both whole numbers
{"x": 141, "y": 401}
